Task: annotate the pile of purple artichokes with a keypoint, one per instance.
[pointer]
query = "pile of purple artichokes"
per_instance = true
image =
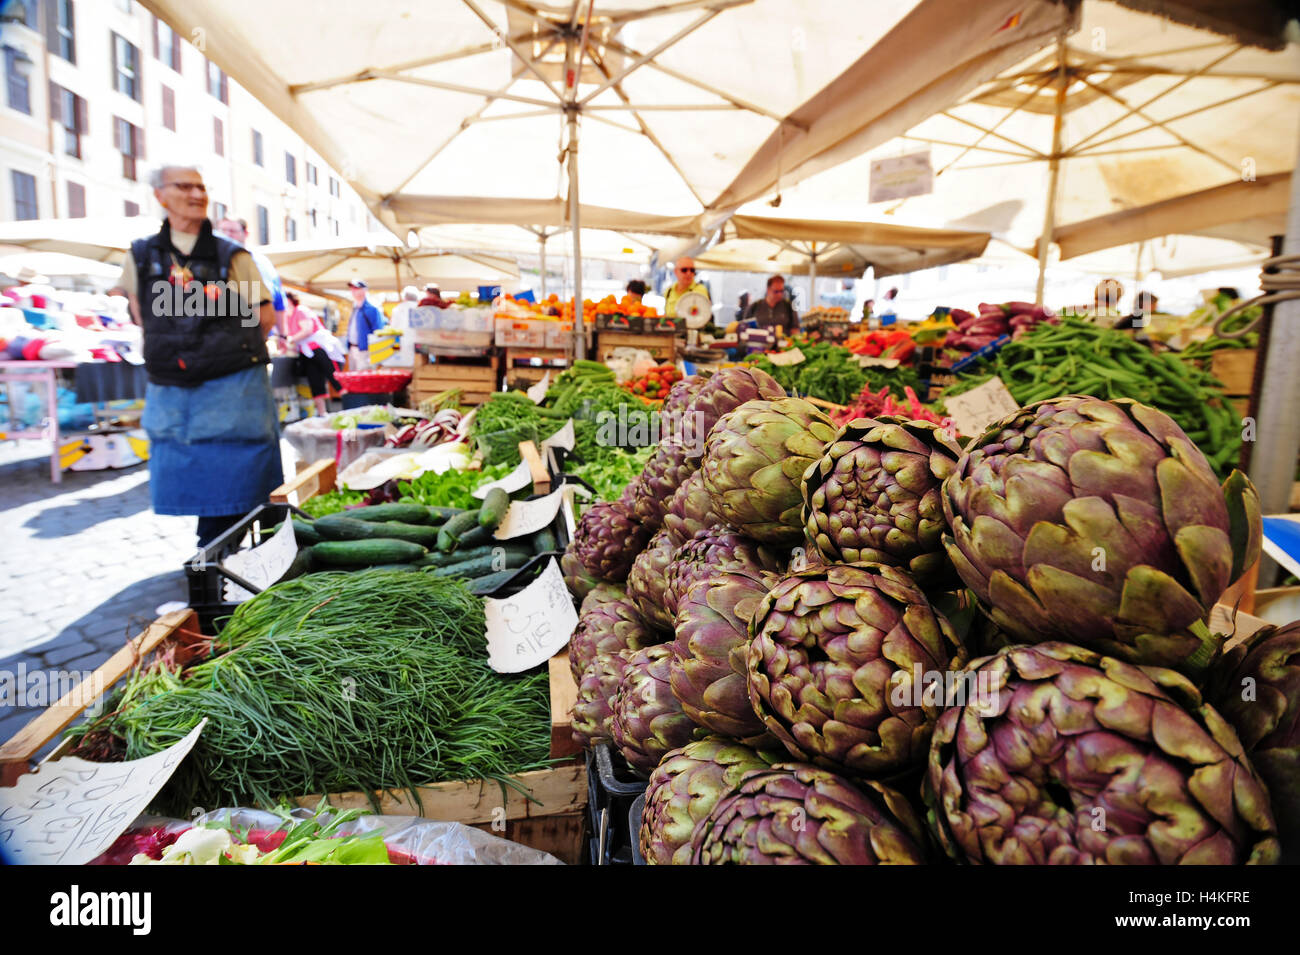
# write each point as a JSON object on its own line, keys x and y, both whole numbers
{"x": 780, "y": 618}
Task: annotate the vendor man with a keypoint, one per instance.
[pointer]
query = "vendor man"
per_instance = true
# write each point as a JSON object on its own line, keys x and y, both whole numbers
{"x": 773, "y": 309}
{"x": 366, "y": 320}
{"x": 685, "y": 272}
{"x": 205, "y": 312}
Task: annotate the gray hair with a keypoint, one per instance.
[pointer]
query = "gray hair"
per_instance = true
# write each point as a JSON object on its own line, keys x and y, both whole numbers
{"x": 157, "y": 175}
{"x": 410, "y": 294}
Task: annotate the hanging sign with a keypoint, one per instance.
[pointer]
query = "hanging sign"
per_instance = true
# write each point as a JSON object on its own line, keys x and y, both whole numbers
{"x": 525, "y": 630}
{"x": 900, "y": 177}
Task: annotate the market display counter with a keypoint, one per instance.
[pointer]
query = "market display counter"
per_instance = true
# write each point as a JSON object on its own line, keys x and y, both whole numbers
{"x": 662, "y": 346}
{"x": 41, "y": 374}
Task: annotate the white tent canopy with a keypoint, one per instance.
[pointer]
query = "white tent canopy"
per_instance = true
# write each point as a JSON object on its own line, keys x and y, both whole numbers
{"x": 101, "y": 239}
{"x": 383, "y": 263}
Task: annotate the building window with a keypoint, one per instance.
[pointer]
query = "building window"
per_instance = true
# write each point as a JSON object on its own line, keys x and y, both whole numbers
{"x": 129, "y": 141}
{"x": 126, "y": 68}
{"x": 60, "y": 32}
{"x": 257, "y": 147}
{"x": 311, "y": 174}
{"x": 311, "y": 217}
{"x": 76, "y": 201}
{"x": 131, "y": 208}
{"x": 336, "y": 226}
{"x": 169, "y": 108}
{"x": 218, "y": 211}
{"x": 19, "y": 91}
{"x": 263, "y": 225}
{"x": 218, "y": 136}
{"x": 69, "y": 111}
{"x": 217, "y": 85}
{"x": 290, "y": 229}
{"x": 24, "y": 195}
{"x": 290, "y": 169}
{"x": 166, "y": 45}
{"x": 334, "y": 186}
{"x": 31, "y": 14}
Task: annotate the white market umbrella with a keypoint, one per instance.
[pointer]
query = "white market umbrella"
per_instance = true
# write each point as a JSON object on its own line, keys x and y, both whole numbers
{"x": 29, "y": 267}
{"x": 383, "y": 263}
{"x": 99, "y": 239}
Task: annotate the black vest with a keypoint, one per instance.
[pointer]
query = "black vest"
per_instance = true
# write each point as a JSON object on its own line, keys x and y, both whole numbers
{"x": 197, "y": 326}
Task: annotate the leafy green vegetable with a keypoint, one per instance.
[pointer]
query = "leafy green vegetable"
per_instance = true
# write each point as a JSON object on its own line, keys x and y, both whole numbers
{"x": 331, "y": 502}
{"x": 609, "y": 474}
{"x": 451, "y": 488}
{"x": 506, "y": 419}
{"x": 829, "y": 372}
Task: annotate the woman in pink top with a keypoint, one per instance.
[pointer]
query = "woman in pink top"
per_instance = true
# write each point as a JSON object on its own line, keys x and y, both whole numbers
{"x": 301, "y": 326}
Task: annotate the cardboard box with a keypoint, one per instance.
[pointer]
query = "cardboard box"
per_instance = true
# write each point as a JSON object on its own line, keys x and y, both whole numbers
{"x": 620, "y": 323}
{"x": 521, "y": 333}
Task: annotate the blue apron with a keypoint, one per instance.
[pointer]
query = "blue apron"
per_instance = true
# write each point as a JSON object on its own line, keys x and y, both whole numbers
{"x": 214, "y": 449}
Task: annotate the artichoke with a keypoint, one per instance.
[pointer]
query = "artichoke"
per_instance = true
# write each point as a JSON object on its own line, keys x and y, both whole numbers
{"x": 708, "y": 668}
{"x": 690, "y": 511}
{"x": 576, "y": 578}
{"x": 875, "y": 495}
{"x": 647, "y": 719}
{"x": 608, "y": 622}
{"x": 607, "y": 540}
{"x": 593, "y": 710}
{"x": 1256, "y": 686}
{"x": 711, "y": 552}
{"x": 723, "y": 391}
{"x": 684, "y": 788}
{"x": 645, "y": 582}
{"x": 797, "y": 814}
{"x": 1054, "y": 754}
{"x": 679, "y": 399}
{"x": 663, "y": 475}
{"x": 839, "y": 663}
{"x": 1101, "y": 524}
{"x": 754, "y": 462}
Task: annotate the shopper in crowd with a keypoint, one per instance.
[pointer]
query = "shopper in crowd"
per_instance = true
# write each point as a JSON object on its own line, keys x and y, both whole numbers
{"x": 400, "y": 318}
{"x": 1105, "y": 300}
{"x": 316, "y": 348}
{"x": 433, "y": 297}
{"x": 209, "y": 413}
{"x": 365, "y": 321}
{"x": 1144, "y": 306}
{"x": 774, "y": 310}
{"x": 236, "y": 230}
{"x": 685, "y": 272}
{"x": 636, "y": 290}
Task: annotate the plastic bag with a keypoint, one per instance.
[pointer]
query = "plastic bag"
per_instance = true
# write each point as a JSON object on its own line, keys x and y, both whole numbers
{"x": 316, "y": 438}
{"x": 411, "y": 840}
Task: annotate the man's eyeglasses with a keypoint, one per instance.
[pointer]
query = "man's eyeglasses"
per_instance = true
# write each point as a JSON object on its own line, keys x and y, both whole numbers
{"x": 189, "y": 187}
{"x": 685, "y": 270}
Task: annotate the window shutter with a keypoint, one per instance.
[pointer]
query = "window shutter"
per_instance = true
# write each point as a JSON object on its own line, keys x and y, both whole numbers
{"x": 113, "y": 44}
{"x": 176, "y": 51}
{"x": 56, "y": 103}
{"x": 137, "y": 140}
{"x": 169, "y": 108}
{"x": 225, "y": 92}
{"x": 155, "y": 38}
{"x": 50, "y": 16}
{"x": 117, "y": 133}
{"x": 83, "y": 123}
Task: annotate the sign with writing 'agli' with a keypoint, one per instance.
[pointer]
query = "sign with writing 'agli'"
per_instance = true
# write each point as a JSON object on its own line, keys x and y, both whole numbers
{"x": 516, "y": 480}
{"x": 792, "y": 357}
{"x": 980, "y": 407}
{"x": 528, "y": 517}
{"x": 525, "y": 630}
{"x": 564, "y": 438}
{"x": 70, "y": 810}
{"x": 899, "y": 177}
{"x": 262, "y": 565}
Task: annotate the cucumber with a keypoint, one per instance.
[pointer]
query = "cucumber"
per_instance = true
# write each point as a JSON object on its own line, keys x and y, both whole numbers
{"x": 482, "y": 586}
{"x": 481, "y": 566}
{"x": 352, "y": 553}
{"x": 338, "y": 527}
{"x": 405, "y": 513}
{"x": 303, "y": 532}
{"x": 463, "y": 554}
{"x": 449, "y": 536}
{"x": 494, "y": 509}
{"x": 403, "y": 567}
{"x": 545, "y": 540}
{"x": 302, "y": 564}
{"x": 475, "y": 537}
{"x": 440, "y": 515}
{"x": 421, "y": 534}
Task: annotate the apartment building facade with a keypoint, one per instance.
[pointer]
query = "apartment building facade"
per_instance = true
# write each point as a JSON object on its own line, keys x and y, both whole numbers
{"x": 98, "y": 92}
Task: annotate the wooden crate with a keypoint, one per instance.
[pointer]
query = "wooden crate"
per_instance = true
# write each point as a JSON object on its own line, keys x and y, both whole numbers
{"x": 554, "y": 820}
{"x": 311, "y": 479}
{"x": 476, "y": 380}
{"x": 662, "y": 346}
{"x": 1235, "y": 367}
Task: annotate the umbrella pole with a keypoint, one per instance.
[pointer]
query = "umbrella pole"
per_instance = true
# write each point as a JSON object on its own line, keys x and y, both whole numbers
{"x": 812, "y": 278}
{"x": 541, "y": 251}
{"x": 1053, "y": 169}
{"x": 575, "y": 222}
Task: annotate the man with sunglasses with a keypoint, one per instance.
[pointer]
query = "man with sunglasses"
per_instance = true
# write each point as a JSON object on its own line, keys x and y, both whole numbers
{"x": 685, "y": 272}
{"x": 204, "y": 310}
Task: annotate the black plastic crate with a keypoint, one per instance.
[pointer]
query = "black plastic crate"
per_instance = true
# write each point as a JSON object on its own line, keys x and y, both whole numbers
{"x": 612, "y": 788}
{"x": 634, "y": 826}
{"x": 207, "y": 577}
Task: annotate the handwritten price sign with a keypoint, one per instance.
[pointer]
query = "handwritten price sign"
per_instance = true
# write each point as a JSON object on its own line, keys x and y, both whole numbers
{"x": 527, "y": 629}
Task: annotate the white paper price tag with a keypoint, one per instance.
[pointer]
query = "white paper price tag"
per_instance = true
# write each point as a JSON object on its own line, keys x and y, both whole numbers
{"x": 980, "y": 407}
{"x": 70, "y": 810}
{"x": 868, "y": 361}
{"x": 564, "y": 438}
{"x": 538, "y": 391}
{"x": 792, "y": 357}
{"x": 263, "y": 565}
{"x": 527, "y": 517}
{"x": 527, "y": 629}
{"x": 516, "y": 480}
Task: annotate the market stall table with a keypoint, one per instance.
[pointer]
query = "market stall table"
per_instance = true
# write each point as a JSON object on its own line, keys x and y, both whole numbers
{"x": 37, "y": 372}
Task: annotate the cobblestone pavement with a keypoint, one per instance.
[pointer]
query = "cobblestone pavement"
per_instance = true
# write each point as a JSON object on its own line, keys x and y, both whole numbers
{"x": 83, "y": 566}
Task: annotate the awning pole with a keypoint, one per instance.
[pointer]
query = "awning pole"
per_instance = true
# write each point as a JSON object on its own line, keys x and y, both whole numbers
{"x": 1053, "y": 169}
{"x": 812, "y": 278}
{"x": 541, "y": 250}
{"x": 575, "y": 218}
{"x": 1277, "y": 435}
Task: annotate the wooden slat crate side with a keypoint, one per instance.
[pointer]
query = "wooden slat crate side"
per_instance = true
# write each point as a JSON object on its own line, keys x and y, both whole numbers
{"x": 564, "y": 693}
{"x": 562, "y": 836}
{"x": 466, "y": 397}
{"x": 442, "y": 371}
{"x": 1235, "y": 367}
{"x": 316, "y": 478}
